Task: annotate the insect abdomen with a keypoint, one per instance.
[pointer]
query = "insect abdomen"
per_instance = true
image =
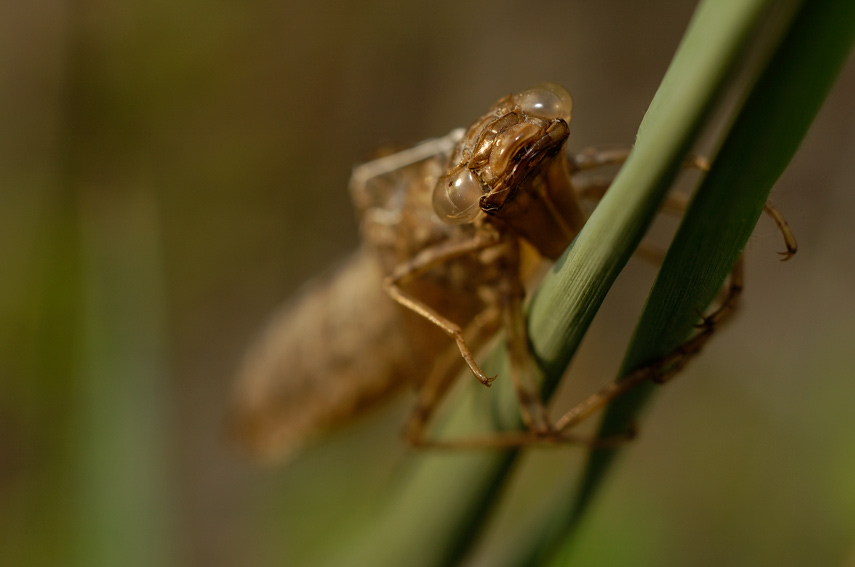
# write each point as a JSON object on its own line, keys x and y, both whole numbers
{"x": 336, "y": 350}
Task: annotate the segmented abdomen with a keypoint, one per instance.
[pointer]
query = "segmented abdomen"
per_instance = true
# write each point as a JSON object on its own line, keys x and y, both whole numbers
{"x": 339, "y": 348}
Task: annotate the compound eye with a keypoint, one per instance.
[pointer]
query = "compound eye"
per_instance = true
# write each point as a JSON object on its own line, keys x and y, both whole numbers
{"x": 547, "y": 101}
{"x": 456, "y": 197}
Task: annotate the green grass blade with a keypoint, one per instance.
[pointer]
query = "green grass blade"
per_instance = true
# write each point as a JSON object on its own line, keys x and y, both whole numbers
{"x": 123, "y": 505}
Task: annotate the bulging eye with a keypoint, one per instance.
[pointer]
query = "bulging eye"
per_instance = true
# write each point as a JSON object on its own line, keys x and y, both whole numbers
{"x": 547, "y": 101}
{"x": 456, "y": 197}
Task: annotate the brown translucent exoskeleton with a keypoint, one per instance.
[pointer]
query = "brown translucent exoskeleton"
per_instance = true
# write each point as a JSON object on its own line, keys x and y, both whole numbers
{"x": 451, "y": 231}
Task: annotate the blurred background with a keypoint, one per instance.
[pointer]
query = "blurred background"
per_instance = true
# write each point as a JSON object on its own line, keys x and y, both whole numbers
{"x": 170, "y": 172}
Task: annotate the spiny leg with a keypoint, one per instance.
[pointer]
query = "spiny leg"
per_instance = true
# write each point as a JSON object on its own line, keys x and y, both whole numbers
{"x": 525, "y": 438}
{"x": 665, "y": 368}
{"x": 781, "y": 223}
{"x": 592, "y": 158}
{"x": 363, "y": 173}
{"x": 532, "y": 408}
{"x": 729, "y": 300}
{"x": 660, "y": 371}
{"x": 443, "y": 373}
{"x": 676, "y": 203}
{"x": 424, "y": 261}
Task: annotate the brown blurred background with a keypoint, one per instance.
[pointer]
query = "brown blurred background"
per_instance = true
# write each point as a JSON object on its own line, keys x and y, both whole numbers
{"x": 172, "y": 171}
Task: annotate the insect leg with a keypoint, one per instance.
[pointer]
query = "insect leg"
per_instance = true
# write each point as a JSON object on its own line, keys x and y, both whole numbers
{"x": 363, "y": 173}
{"x": 423, "y": 261}
{"x": 444, "y": 372}
{"x": 781, "y": 223}
{"x": 532, "y": 409}
{"x": 676, "y": 204}
{"x": 665, "y": 368}
{"x": 525, "y": 439}
{"x": 728, "y": 301}
{"x": 592, "y": 158}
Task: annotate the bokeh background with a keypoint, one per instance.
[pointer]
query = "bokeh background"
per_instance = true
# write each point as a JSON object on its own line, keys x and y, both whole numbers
{"x": 172, "y": 171}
